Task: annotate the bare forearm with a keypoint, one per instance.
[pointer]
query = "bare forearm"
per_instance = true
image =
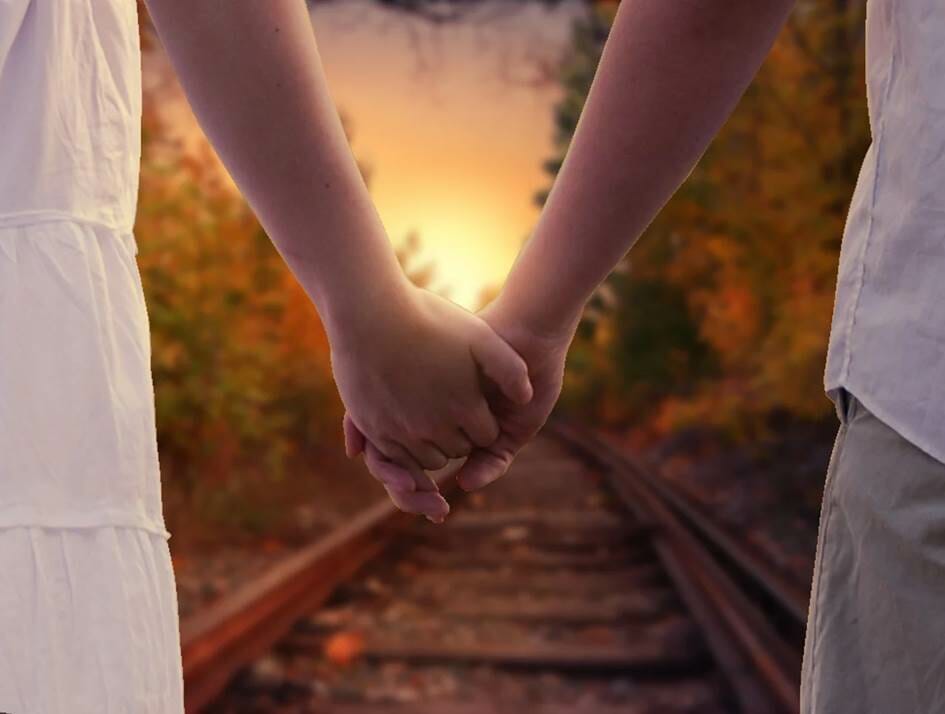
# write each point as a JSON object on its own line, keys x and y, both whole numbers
{"x": 252, "y": 73}
{"x": 670, "y": 75}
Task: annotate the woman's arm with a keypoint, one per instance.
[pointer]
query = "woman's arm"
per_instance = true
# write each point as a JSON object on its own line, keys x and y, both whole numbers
{"x": 405, "y": 361}
{"x": 254, "y": 78}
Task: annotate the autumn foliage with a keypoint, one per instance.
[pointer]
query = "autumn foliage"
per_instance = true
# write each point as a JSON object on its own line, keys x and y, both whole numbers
{"x": 239, "y": 357}
{"x": 719, "y": 317}
{"x": 721, "y": 312}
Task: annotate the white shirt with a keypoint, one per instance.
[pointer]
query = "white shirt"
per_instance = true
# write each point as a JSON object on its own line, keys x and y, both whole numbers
{"x": 887, "y": 341}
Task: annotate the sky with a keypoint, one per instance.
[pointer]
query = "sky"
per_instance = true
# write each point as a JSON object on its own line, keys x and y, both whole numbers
{"x": 453, "y": 121}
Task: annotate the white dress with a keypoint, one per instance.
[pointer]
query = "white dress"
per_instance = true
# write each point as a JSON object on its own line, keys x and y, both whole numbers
{"x": 88, "y": 604}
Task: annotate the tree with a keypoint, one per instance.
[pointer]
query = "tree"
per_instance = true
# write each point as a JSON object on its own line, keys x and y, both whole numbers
{"x": 743, "y": 258}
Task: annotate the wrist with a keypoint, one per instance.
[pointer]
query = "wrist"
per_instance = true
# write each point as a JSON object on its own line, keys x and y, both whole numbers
{"x": 517, "y": 315}
{"x": 535, "y": 340}
{"x": 356, "y": 317}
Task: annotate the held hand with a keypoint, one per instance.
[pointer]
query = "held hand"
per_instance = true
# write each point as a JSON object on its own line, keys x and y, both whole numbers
{"x": 545, "y": 355}
{"x": 409, "y": 488}
{"x": 518, "y": 423}
{"x": 411, "y": 382}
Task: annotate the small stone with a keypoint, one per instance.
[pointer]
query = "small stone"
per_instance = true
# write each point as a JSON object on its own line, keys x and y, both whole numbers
{"x": 267, "y": 671}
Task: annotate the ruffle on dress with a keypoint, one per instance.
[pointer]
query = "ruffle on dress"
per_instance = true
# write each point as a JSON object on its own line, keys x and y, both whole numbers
{"x": 78, "y": 441}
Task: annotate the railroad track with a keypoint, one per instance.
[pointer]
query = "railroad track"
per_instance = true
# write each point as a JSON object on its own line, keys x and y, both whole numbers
{"x": 578, "y": 583}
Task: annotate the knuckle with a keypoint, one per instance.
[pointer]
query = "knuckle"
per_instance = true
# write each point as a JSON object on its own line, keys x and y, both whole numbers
{"x": 479, "y": 410}
{"x": 385, "y": 437}
{"x": 454, "y": 446}
{"x": 462, "y": 404}
{"x": 491, "y": 428}
{"x": 456, "y": 411}
{"x": 486, "y": 437}
{"x": 433, "y": 458}
{"x": 400, "y": 456}
{"x": 414, "y": 432}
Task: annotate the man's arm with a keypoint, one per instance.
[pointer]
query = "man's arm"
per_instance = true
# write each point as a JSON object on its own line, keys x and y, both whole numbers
{"x": 405, "y": 361}
{"x": 669, "y": 76}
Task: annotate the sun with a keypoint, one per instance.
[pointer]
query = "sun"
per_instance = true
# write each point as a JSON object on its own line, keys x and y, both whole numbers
{"x": 468, "y": 253}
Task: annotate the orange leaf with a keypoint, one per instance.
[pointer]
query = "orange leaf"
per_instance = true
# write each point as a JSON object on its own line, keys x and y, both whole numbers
{"x": 343, "y": 648}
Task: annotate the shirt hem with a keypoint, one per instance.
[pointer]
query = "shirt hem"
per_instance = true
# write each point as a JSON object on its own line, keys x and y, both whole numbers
{"x": 880, "y": 413}
{"x": 15, "y": 516}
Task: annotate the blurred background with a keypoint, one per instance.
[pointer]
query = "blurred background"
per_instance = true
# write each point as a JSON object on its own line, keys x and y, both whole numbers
{"x": 703, "y": 354}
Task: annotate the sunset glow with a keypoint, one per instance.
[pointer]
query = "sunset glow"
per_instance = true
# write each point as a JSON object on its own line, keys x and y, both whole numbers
{"x": 453, "y": 135}
{"x": 449, "y": 121}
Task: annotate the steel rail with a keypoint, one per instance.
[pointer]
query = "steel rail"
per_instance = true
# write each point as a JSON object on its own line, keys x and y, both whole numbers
{"x": 244, "y": 624}
{"x": 791, "y": 597}
{"x": 763, "y": 669}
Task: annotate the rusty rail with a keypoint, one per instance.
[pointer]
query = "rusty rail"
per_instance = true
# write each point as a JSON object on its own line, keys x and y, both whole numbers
{"x": 763, "y": 666}
{"x": 708, "y": 567}
{"x": 215, "y": 643}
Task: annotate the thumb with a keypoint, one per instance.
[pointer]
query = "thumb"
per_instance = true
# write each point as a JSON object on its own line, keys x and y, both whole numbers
{"x": 354, "y": 439}
{"x": 483, "y": 466}
{"x": 503, "y": 365}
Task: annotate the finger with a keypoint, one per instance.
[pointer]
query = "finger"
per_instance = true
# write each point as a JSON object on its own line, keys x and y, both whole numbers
{"x": 424, "y": 503}
{"x": 354, "y": 439}
{"x": 428, "y": 503}
{"x": 397, "y": 455}
{"x": 454, "y": 443}
{"x": 481, "y": 426}
{"x": 387, "y": 472}
{"x": 424, "y": 482}
{"x": 481, "y": 468}
{"x": 427, "y": 454}
{"x": 503, "y": 365}
{"x": 486, "y": 465}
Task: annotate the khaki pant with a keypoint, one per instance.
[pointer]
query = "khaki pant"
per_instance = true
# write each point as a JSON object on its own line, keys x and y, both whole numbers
{"x": 876, "y": 625}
